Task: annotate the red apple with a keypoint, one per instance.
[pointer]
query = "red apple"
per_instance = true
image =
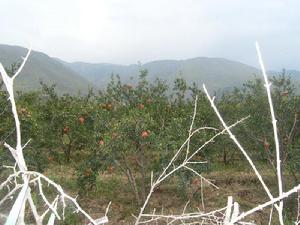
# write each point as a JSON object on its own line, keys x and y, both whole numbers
{"x": 141, "y": 106}
{"x": 81, "y": 120}
{"x": 144, "y": 134}
{"x": 66, "y": 130}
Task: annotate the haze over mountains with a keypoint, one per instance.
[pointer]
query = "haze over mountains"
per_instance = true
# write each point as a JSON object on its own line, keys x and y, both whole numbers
{"x": 216, "y": 73}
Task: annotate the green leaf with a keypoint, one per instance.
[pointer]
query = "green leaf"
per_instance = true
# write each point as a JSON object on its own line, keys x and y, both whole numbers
{"x": 65, "y": 139}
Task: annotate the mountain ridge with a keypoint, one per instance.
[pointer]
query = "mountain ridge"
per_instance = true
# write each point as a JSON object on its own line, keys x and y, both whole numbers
{"x": 41, "y": 67}
{"x": 71, "y": 77}
{"x": 198, "y": 69}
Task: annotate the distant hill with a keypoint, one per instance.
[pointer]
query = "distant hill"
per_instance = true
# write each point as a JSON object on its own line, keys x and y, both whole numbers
{"x": 100, "y": 74}
{"x": 216, "y": 73}
{"x": 295, "y": 74}
{"x": 41, "y": 67}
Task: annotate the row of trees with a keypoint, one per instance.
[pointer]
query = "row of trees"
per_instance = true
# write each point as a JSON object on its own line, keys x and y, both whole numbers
{"x": 134, "y": 129}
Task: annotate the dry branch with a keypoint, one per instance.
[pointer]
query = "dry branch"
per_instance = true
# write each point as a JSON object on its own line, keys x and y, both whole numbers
{"x": 20, "y": 172}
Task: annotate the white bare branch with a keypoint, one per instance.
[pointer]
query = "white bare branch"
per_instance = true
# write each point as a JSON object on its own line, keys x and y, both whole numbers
{"x": 266, "y": 204}
{"x": 29, "y": 177}
{"x": 184, "y": 164}
{"x": 22, "y": 65}
{"x": 258, "y": 175}
{"x": 275, "y": 132}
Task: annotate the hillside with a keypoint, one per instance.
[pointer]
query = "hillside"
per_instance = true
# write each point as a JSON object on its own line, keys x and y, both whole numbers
{"x": 41, "y": 67}
{"x": 217, "y": 73}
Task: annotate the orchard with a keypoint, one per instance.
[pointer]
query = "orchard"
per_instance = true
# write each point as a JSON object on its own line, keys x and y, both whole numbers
{"x": 130, "y": 130}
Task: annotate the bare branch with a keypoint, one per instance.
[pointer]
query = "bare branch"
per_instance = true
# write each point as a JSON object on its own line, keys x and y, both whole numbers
{"x": 274, "y": 123}
{"x": 238, "y": 143}
{"x": 266, "y": 204}
{"x": 29, "y": 177}
{"x": 22, "y": 65}
{"x": 165, "y": 173}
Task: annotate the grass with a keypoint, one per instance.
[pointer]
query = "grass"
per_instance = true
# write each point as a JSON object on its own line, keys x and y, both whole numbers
{"x": 241, "y": 184}
{"x": 233, "y": 180}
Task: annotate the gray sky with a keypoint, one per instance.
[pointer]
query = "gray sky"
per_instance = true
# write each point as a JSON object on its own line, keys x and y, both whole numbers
{"x": 119, "y": 31}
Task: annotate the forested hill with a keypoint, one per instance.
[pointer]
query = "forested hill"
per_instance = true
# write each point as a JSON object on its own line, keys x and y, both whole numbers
{"x": 41, "y": 67}
{"x": 217, "y": 73}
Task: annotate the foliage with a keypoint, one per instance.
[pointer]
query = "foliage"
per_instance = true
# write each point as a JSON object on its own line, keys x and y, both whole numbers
{"x": 134, "y": 129}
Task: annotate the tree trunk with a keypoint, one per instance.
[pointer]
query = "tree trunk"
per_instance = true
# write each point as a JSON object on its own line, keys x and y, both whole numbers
{"x": 143, "y": 174}
{"x": 133, "y": 185}
{"x": 67, "y": 152}
{"x": 225, "y": 157}
{"x": 131, "y": 179}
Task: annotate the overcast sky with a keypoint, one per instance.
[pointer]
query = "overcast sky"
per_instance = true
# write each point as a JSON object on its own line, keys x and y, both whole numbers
{"x": 127, "y": 31}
